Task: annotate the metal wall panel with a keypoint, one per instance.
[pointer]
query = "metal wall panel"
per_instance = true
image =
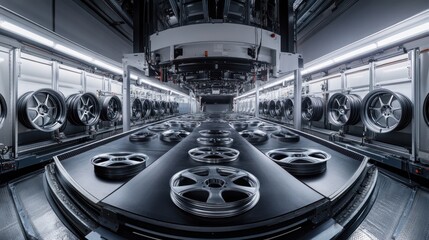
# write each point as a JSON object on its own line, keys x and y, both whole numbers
{"x": 36, "y": 73}
{"x": 5, "y": 90}
{"x": 69, "y": 80}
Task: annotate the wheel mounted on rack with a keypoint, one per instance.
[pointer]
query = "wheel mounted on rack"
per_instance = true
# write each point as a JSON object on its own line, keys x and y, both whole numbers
{"x": 136, "y": 110}
{"x": 344, "y": 109}
{"x": 272, "y": 108}
{"x": 385, "y": 111}
{"x": 162, "y": 108}
{"x": 312, "y": 108}
{"x": 279, "y": 107}
{"x": 288, "y": 109}
{"x": 111, "y": 108}
{"x": 44, "y": 110}
{"x": 261, "y": 107}
{"x": 265, "y": 107}
{"x": 146, "y": 108}
{"x": 155, "y": 108}
{"x": 83, "y": 109}
{"x": 426, "y": 109}
{"x": 3, "y": 110}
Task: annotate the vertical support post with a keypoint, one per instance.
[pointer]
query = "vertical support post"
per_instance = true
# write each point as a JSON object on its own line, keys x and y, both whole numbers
{"x": 257, "y": 99}
{"x": 15, "y": 75}
{"x": 297, "y": 94}
{"x": 55, "y": 75}
{"x": 413, "y": 56}
{"x": 287, "y": 22}
{"x": 126, "y": 97}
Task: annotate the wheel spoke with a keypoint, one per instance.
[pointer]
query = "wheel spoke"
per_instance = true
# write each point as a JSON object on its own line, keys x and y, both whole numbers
{"x": 37, "y": 100}
{"x": 47, "y": 99}
{"x": 380, "y": 101}
{"x": 186, "y": 188}
{"x": 390, "y": 100}
{"x": 215, "y": 197}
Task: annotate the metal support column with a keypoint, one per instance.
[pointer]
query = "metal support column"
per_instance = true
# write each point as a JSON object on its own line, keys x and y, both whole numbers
{"x": 287, "y": 23}
{"x": 257, "y": 98}
{"x": 15, "y": 73}
{"x": 126, "y": 98}
{"x": 297, "y": 94}
{"x": 415, "y": 98}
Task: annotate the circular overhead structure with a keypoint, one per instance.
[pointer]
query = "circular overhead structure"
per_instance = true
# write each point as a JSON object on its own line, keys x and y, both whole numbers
{"x": 254, "y": 136}
{"x": 267, "y": 127}
{"x": 215, "y": 141}
{"x": 159, "y": 127}
{"x": 272, "y": 108}
{"x": 142, "y": 136}
{"x": 214, "y": 133}
{"x": 136, "y": 110}
{"x": 239, "y": 126}
{"x": 300, "y": 161}
{"x": 285, "y": 136}
{"x": 44, "y": 110}
{"x": 119, "y": 165}
{"x": 174, "y": 135}
{"x": 426, "y": 109}
{"x": 190, "y": 125}
{"x": 3, "y": 110}
{"x": 146, "y": 108}
{"x": 213, "y": 154}
{"x": 279, "y": 107}
{"x": 214, "y": 191}
{"x": 288, "y": 109}
{"x": 111, "y": 108}
{"x": 312, "y": 108}
{"x": 83, "y": 109}
{"x": 344, "y": 109}
{"x": 384, "y": 111}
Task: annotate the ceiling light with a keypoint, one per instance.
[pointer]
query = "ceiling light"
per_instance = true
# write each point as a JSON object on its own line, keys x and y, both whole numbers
{"x": 356, "y": 52}
{"x": 134, "y": 77}
{"x": 317, "y": 67}
{"x": 108, "y": 67}
{"x": 73, "y": 53}
{"x": 404, "y": 35}
{"x": 25, "y": 33}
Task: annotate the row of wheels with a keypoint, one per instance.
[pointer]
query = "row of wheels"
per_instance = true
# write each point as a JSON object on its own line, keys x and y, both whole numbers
{"x": 47, "y": 110}
{"x": 381, "y": 110}
{"x": 246, "y": 107}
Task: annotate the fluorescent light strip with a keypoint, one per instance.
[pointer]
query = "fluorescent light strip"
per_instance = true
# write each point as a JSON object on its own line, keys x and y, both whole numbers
{"x": 161, "y": 87}
{"x": 134, "y": 77}
{"x": 25, "y": 33}
{"x": 404, "y": 35}
{"x": 73, "y": 53}
{"x": 108, "y": 66}
{"x": 356, "y": 52}
{"x": 317, "y": 67}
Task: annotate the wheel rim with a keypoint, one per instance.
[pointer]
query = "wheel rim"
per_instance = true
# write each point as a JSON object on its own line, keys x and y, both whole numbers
{"x": 146, "y": 108}
{"x": 112, "y": 108}
{"x": 344, "y": 109}
{"x": 267, "y": 127}
{"x": 214, "y": 191}
{"x": 213, "y": 141}
{"x": 174, "y": 135}
{"x": 214, "y": 133}
{"x": 254, "y": 136}
{"x": 44, "y": 110}
{"x": 385, "y": 111}
{"x": 159, "y": 127}
{"x": 312, "y": 108}
{"x": 136, "y": 110}
{"x": 119, "y": 165}
{"x": 3, "y": 110}
{"x": 289, "y": 109}
{"x": 214, "y": 154}
{"x": 142, "y": 136}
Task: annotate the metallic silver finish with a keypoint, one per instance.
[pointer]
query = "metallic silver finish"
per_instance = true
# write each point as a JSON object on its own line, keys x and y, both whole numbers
{"x": 214, "y": 154}
{"x": 254, "y": 136}
{"x": 119, "y": 165}
{"x": 159, "y": 127}
{"x": 214, "y": 191}
{"x": 214, "y": 133}
{"x": 267, "y": 127}
{"x": 297, "y": 89}
{"x": 174, "y": 135}
{"x": 213, "y": 141}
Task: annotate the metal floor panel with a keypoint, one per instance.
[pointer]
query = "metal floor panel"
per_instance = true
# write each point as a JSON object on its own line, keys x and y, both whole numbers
{"x": 30, "y": 194}
{"x": 10, "y": 227}
{"x": 398, "y": 213}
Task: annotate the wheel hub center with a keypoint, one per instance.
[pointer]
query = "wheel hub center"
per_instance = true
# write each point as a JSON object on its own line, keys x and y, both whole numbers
{"x": 215, "y": 183}
{"x": 43, "y": 109}
{"x": 118, "y": 159}
{"x": 386, "y": 110}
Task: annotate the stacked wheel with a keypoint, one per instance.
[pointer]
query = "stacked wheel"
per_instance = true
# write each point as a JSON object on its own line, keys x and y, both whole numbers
{"x": 44, "y": 110}
{"x": 83, "y": 109}
{"x": 344, "y": 109}
{"x": 111, "y": 108}
{"x": 312, "y": 108}
{"x": 384, "y": 111}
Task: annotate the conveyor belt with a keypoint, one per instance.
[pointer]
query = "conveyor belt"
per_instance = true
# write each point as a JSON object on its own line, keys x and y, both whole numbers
{"x": 10, "y": 227}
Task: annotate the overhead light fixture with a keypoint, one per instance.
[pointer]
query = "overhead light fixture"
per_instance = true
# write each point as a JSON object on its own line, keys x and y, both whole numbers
{"x": 246, "y": 94}
{"x": 159, "y": 86}
{"x": 356, "y": 52}
{"x": 415, "y": 31}
{"x": 73, "y": 53}
{"x": 25, "y": 33}
{"x": 134, "y": 77}
{"x": 317, "y": 67}
{"x": 108, "y": 66}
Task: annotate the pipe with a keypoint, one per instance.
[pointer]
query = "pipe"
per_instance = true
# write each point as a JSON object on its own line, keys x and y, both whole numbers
{"x": 113, "y": 4}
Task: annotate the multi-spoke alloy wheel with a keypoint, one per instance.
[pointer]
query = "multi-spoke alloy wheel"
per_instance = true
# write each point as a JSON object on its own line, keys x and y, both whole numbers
{"x": 136, "y": 110}
{"x": 300, "y": 161}
{"x": 142, "y": 136}
{"x": 214, "y": 191}
{"x": 159, "y": 127}
{"x": 119, "y": 165}
{"x": 213, "y": 141}
{"x": 285, "y": 136}
{"x": 146, "y": 108}
{"x": 111, "y": 109}
{"x": 344, "y": 109}
{"x": 312, "y": 108}
{"x": 174, "y": 135}
{"x": 190, "y": 125}
{"x": 214, "y": 133}
{"x": 384, "y": 111}
{"x": 267, "y": 127}
{"x": 239, "y": 126}
{"x": 213, "y": 154}
{"x": 83, "y": 109}
{"x": 288, "y": 112}
{"x": 44, "y": 109}
{"x": 254, "y": 136}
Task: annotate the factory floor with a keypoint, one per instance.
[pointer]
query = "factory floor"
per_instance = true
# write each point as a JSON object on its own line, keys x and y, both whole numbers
{"x": 400, "y": 212}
